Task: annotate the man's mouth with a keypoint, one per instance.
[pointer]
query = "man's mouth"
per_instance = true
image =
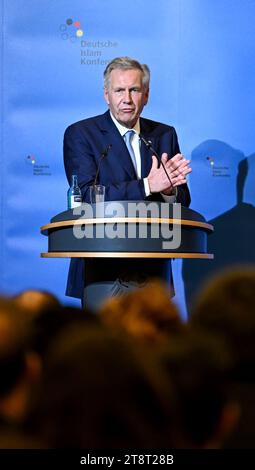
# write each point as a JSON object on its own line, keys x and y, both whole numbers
{"x": 127, "y": 110}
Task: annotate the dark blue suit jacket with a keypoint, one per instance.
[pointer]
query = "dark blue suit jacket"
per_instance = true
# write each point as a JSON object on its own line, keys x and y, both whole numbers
{"x": 84, "y": 143}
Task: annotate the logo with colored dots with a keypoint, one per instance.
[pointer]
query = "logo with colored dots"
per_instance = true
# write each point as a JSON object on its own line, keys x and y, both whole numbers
{"x": 71, "y": 30}
{"x": 30, "y": 159}
{"x": 37, "y": 169}
{"x": 210, "y": 160}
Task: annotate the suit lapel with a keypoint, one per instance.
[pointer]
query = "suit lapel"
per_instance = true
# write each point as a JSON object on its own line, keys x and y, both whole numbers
{"x": 119, "y": 152}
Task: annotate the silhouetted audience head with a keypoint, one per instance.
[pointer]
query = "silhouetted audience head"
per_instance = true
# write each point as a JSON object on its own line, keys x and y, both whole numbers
{"x": 199, "y": 366}
{"x": 19, "y": 368}
{"x": 226, "y": 307}
{"x": 147, "y": 314}
{"x": 49, "y": 323}
{"x": 37, "y": 301}
{"x": 99, "y": 392}
{"x": 48, "y": 316}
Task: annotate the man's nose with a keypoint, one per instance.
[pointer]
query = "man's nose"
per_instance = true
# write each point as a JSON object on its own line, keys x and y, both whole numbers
{"x": 127, "y": 96}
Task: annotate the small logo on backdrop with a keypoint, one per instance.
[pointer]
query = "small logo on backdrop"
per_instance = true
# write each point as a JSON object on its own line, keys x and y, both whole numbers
{"x": 30, "y": 160}
{"x": 93, "y": 51}
{"x": 71, "y": 30}
{"x": 210, "y": 160}
{"x": 38, "y": 169}
{"x": 218, "y": 170}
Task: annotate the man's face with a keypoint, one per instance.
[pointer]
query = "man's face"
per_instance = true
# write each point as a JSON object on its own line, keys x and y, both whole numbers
{"x": 126, "y": 95}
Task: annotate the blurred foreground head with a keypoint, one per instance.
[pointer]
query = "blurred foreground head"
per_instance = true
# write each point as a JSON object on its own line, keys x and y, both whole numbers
{"x": 199, "y": 366}
{"x": 99, "y": 392}
{"x": 47, "y": 317}
{"x": 226, "y": 307}
{"x": 36, "y": 301}
{"x": 19, "y": 367}
{"x": 147, "y": 314}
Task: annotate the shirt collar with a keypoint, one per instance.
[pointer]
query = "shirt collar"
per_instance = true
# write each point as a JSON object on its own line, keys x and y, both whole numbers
{"x": 122, "y": 129}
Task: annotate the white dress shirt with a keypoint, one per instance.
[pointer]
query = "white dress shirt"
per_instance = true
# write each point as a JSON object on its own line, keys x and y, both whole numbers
{"x": 136, "y": 144}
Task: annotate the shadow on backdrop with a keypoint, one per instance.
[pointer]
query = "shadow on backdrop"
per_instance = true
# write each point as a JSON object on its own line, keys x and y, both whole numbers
{"x": 234, "y": 227}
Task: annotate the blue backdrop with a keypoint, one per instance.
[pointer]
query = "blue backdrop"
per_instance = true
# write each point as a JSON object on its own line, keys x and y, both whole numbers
{"x": 202, "y": 59}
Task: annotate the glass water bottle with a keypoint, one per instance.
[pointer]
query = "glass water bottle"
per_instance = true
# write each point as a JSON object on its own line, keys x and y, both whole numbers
{"x": 74, "y": 198}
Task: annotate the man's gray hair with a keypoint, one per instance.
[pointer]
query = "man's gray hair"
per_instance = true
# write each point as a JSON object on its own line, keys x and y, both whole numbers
{"x": 126, "y": 63}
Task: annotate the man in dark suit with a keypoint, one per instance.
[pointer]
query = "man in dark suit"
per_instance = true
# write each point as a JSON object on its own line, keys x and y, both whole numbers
{"x": 129, "y": 171}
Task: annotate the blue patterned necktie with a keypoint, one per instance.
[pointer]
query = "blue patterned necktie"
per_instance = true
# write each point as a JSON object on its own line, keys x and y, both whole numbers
{"x": 128, "y": 137}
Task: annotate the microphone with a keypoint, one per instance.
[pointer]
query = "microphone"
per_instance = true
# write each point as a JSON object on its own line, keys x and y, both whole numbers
{"x": 148, "y": 144}
{"x": 103, "y": 155}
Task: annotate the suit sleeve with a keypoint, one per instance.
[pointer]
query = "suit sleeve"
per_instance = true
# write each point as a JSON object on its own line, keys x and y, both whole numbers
{"x": 80, "y": 159}
{"x": 183, "y": 194}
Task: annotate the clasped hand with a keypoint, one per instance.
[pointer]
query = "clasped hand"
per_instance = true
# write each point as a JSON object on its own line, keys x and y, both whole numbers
{"x": 177, "y": 169}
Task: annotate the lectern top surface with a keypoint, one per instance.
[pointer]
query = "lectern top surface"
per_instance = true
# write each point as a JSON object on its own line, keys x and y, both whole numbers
{"x": 112, "y": 209}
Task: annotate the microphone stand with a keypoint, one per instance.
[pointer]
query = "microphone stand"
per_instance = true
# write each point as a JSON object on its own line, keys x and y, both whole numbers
{"x": 103, "y": 155}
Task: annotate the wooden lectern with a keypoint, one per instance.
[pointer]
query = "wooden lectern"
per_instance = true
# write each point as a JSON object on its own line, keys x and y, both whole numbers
{"x": 126, "y": 242}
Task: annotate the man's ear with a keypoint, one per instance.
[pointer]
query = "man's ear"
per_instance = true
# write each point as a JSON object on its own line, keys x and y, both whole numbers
{"x": 106, "y": 95}
{"x": 146, "y": 96}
